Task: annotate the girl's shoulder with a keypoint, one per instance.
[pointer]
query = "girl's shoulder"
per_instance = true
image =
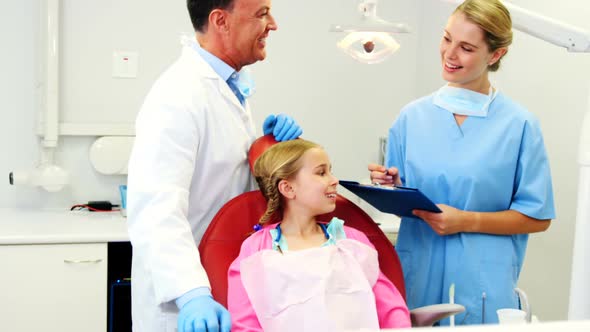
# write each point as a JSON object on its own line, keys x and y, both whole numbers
{"x": 258, "y": 240}
{"x": 338, "y": 228}
{"x": 355, "y": 234}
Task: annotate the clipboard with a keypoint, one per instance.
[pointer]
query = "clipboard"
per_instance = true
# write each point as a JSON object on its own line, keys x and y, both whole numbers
{"x": 396, "y": 200}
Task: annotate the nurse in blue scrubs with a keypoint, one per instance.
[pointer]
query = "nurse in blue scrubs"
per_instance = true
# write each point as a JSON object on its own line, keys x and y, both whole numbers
{"x": 480, "y": 156}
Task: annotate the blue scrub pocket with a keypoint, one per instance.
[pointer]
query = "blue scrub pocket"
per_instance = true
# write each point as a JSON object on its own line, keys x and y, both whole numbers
{"x": 498, "y": 273}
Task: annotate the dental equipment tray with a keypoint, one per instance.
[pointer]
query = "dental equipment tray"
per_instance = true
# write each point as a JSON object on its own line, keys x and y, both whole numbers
{"x": 396, "y": 200}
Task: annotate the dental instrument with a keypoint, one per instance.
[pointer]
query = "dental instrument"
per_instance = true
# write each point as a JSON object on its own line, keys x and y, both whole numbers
{"x": 483, "y": 308}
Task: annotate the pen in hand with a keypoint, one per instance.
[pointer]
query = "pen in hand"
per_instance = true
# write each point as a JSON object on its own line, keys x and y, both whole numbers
{"x": 377, "y": 184}
{"x": 384, "y": 176}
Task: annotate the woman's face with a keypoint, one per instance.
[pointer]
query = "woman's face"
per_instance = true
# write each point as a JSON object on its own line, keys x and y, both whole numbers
{"x": 465, "y": 55}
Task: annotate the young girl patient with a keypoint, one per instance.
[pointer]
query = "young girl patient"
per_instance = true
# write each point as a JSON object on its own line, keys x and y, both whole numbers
{"x": 301, "y": 275}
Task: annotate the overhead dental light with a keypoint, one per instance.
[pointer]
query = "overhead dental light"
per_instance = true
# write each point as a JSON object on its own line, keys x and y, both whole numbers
{"x": 369, "y": 39}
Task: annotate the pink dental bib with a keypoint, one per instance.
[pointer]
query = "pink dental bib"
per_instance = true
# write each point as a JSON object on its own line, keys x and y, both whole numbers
{"x": 320, "y": 289}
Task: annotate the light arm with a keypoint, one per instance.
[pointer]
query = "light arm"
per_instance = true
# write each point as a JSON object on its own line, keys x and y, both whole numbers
{"x": 552, "y": 31}
{"x": 557, "y": 33}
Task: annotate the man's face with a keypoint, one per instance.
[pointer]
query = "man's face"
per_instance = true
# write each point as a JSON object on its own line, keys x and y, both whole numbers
{"x": 249, "y": 23}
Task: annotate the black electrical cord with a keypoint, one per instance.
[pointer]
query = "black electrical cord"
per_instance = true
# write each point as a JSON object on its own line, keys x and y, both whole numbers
{"x": 96, "y": 206}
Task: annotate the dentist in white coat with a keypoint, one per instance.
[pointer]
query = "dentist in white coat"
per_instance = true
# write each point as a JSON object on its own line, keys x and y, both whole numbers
{"x": 193, "y": 133}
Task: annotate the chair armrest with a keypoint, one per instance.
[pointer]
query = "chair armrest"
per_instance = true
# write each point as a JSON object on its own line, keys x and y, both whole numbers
{"x": 430, "y": 314}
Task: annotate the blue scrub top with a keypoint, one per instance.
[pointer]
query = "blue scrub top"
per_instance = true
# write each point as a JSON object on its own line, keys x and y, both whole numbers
{"x": 487, "y": 164}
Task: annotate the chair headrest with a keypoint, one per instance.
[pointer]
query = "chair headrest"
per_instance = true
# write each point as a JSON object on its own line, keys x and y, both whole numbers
{"x": 260, "y": 145}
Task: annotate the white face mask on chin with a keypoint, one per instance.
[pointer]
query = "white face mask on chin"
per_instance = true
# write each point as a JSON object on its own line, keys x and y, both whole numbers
{"x": 246, "y": 83}
{"x": 463, "y": 101}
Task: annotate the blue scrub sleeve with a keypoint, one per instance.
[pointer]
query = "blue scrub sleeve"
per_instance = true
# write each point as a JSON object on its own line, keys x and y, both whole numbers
{"x": 533, "y": 191}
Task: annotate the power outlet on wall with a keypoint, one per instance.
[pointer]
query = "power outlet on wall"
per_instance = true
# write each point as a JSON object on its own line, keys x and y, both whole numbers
{"x": 125, "y": 64}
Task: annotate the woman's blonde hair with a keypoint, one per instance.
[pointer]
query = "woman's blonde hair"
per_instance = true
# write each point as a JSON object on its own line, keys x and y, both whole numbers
{"x": 281, "y": 161}
{"x": 494, "y": 18}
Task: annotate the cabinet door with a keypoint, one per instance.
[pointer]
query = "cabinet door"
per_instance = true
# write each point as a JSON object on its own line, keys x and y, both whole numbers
{"x": 53, "y": 287}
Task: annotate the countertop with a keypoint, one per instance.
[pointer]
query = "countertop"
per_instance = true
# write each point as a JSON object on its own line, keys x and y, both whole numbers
{"x": 20, "y": 226}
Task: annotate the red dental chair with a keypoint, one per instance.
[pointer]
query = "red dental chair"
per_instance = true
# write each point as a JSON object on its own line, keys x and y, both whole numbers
{"x": 234, "y": 222}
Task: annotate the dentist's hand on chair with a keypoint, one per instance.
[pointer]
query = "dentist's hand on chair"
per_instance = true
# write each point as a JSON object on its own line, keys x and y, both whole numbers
{"x": 384, "y": 176}
{"x": 283, "y": 127}
{"x": 203, "y": 314}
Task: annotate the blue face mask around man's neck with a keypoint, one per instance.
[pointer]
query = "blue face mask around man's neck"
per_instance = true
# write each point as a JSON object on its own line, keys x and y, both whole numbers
{"x": 245, "y": 83}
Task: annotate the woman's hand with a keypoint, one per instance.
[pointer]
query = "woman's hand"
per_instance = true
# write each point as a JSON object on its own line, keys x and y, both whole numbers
{"x": 383, "y": 176}
{"x": 449, "y": 221}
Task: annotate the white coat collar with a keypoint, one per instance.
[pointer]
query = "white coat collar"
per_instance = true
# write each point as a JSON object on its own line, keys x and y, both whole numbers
{"x": 206, "y": 71}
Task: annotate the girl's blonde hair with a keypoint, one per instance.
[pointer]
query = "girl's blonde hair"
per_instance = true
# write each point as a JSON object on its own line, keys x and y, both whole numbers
{"x": 281, "y": 161}
{"x": 494, "y": 18}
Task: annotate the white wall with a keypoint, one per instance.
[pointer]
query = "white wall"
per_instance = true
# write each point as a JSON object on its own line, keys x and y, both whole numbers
{"x": 332, "y": 96}
{"x": 305, "y": 75}
{"x": 553, "y": 84}
{"x": 16, "y": 90}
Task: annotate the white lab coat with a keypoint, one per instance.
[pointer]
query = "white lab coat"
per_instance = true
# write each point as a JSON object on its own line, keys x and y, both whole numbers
{"x": 189, "y": 158}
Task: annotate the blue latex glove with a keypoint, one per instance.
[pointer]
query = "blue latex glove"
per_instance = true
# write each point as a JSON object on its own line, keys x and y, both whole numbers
{"x": 203, "y": 314}
{"x": 283, "y": 127}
